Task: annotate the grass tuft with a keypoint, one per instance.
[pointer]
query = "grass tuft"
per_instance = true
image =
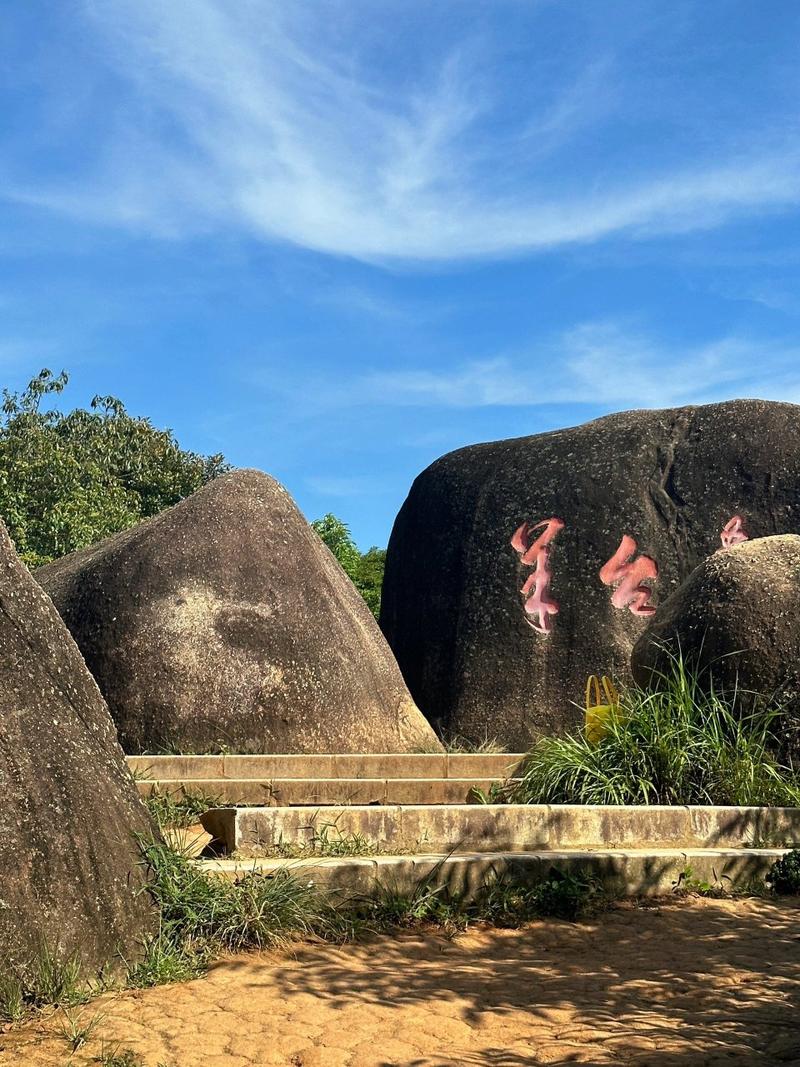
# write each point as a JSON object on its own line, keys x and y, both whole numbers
{"x": 75, "y": 1031}
{"x": 52, "y": 978}
{"x": 12, "y": 998}
{"x": 120, "y": 1057}
{"x": 56, "y": 979}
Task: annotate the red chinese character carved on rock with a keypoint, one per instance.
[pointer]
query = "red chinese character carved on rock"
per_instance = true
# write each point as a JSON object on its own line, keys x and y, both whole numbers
{"x": 630, "y": 573}
{"x": 539, "y": 605}
{"x": 734, "y": 532}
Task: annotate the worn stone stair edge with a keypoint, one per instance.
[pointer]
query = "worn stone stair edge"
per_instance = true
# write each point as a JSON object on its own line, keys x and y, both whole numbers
{"x": 505, "y": 827}
{"x": 196, "y": 783}
{"x": 621, "y": 872}
{"x": 320, "y": 765}
{"x": 305, "y": 792}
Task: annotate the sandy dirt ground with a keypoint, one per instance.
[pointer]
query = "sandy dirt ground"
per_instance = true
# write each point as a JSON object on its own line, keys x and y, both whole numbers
{"x": 695, "y": 982}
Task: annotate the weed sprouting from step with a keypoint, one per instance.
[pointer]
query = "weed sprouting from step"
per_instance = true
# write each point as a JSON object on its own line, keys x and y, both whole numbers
{"x": 427, "y": 902}
{"x": 689, "y": 884}
{"x": 457, "y": 744}
{"x": 327, "y": 840}
{"x": 503, "y": 901}
{"x": 176, "y": 812}
{"x": 497, "y": 793}
{"x": 560, "y": 895}
{"x": 220, "y": 747}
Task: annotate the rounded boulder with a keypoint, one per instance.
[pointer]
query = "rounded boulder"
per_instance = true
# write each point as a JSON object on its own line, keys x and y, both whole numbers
{"x": 72, "y": 879}
{"x": 736, "y": 620}
{"x": 225, "y": 623}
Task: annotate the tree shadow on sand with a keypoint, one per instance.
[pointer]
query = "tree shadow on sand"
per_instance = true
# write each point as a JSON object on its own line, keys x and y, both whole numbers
{"x": 694, "y": 983}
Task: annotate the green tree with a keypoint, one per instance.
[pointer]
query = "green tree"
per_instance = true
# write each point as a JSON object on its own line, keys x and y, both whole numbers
{"x": 370, "y": 577}
{"x": 336, "y": 535}
{"x": 365, "y": 571}
{"x": 68, "y": 479}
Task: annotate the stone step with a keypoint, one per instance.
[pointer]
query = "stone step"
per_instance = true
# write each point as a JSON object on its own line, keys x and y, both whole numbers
{"x": 502, "y": 827}
{"x": 487, "y": 765}
{"x": 618, "y": 872}
{"x": 289, "y": 792}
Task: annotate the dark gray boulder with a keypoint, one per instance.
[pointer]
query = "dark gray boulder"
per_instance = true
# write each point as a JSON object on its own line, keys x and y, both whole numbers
{"x": 736, "y": 619}
{"x": 226, "y": 622}
{"x": 671, "y": 480}
{"x": 71, "y": 872}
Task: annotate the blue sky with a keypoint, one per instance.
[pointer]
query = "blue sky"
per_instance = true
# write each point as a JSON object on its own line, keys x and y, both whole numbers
{"x": 335, "y": 239}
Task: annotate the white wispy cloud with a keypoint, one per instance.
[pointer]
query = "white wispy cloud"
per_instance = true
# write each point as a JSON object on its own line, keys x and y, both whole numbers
{"x": 606, "y": 364}
{"x": 269, "y": 118}
{"x": 345, "y": 486}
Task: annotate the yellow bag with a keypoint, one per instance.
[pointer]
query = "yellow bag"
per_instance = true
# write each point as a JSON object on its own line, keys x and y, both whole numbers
{"x": 598, "y": 714}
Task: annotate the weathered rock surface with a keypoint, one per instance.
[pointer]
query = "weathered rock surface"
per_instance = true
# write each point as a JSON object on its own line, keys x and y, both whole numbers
{"x": 225, "y": 622}
{"x": 71, "y": 874}
{"x": 737, "y": 618}
{"x": 452, "y": 608}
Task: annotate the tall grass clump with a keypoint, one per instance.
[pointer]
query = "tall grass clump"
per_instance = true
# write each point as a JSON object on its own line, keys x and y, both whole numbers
{"x": 203, "y": 915}
{"x": 677, "y": 742}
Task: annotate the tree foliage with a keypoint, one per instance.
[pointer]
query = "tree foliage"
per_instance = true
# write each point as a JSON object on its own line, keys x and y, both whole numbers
{"x": 68, "y": 479}
{"x": 364, "y": 570}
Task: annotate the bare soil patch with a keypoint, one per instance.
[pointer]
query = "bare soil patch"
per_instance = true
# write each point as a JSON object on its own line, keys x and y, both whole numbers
{"x": 698, "y": 982}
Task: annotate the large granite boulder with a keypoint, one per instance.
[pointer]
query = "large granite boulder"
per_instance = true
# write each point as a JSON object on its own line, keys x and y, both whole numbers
{"x": 71, "y": 873}
{"x": 226, "y": 622}
{"x": 466, "y": 543}
{"x": 736, "y": 619}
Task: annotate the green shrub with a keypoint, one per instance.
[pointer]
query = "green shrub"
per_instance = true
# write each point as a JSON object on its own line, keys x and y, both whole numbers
{"x": 784, "y": 874}
{"x": 673, "y": 744}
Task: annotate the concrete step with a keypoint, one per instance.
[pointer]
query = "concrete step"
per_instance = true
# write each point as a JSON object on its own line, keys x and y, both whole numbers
{"x": 288, "y": 792}
{"x": 325, "y": 767}
{"x": 502, "y": 827}
{"x": 619, "y": 872}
